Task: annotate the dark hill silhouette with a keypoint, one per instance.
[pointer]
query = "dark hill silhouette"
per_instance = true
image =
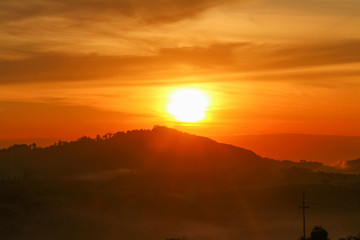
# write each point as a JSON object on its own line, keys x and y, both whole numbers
{"x": 352, "y": 166}
{"x": 160, "y": 149}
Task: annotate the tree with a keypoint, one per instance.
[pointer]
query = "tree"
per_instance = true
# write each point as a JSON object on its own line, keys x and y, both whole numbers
{"x": 319, "y": 233}
{"x": 350, "y": 237}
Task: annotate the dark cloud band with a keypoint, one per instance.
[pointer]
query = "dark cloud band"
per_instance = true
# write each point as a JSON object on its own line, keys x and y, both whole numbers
{"x": 148, "y": 11}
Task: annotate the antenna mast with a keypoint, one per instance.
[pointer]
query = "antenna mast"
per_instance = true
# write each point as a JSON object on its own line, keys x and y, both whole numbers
{"x": 303, "y": 208}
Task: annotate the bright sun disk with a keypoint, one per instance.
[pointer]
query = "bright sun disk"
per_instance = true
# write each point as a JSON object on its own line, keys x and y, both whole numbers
{"x": 188, "y": 105}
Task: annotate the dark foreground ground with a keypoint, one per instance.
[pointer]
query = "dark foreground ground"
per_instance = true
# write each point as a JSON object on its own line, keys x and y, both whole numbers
{"x": 130, "y": 207}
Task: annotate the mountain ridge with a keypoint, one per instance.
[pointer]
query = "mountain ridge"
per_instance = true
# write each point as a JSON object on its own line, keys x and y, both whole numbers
{"x": 328, "y": 149}
{"x": 161, "y": 150}
{"x": 147, "y": 149}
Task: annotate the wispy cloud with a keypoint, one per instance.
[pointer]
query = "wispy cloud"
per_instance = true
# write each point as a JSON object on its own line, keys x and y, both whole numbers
{"x": 147, "y": 11}
{"x": 177, "y": 62}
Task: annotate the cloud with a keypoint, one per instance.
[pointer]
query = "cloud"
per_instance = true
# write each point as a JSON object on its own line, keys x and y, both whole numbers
{"x": 166, "y": 63}
{"x": 135, "y": 27}
{"x": 326, "y": 53}
{"x": 148, "y": 11}
{"x": 171, "y": 63}
{"x": 346, "y": 7}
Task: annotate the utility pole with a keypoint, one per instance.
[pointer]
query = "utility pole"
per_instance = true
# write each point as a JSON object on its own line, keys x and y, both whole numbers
{"x": 303, "y": 208}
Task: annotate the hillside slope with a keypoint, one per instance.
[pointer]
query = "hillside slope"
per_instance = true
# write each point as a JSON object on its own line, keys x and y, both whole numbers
{"x": 160, "y": 149}
{"x": 327, "y": 149}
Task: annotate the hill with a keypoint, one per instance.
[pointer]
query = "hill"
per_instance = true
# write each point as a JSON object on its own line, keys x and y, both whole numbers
{"x": 158, "y": 150}
{"x": 161, "y": 151}
{"x": 327, "y": 149}
{"x": 352, "y": 166}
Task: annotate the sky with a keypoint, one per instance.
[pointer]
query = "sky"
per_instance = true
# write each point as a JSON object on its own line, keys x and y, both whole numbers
{"x": 87, "y": 67}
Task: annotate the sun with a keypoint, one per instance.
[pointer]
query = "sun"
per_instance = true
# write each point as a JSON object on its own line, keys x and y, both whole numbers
{"x": 188, "y": 105}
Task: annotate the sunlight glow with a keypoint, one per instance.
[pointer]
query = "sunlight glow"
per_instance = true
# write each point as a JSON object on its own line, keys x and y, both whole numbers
{"x": 188, "y": 105}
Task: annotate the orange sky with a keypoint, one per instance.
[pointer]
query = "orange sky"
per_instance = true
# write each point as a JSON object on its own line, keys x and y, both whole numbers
{"x": 73, "y": 68}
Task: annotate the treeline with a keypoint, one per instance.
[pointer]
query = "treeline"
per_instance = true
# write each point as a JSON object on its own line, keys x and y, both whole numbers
{"x": 319, "y": 233}
{"x": 154, "y": 149}
{"x": 160, "y": 151}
